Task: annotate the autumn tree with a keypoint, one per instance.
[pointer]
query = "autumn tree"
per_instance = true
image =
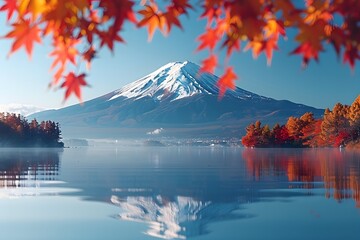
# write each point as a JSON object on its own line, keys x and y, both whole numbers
{"x": 311, "y": 134}
{"x": 79, "y": 29}
{"x": 16, "y": 131}
{"x": 254, "y": 135}
{"x": 296, "y": 126}
{"x": 335, "y": 128}
{"x": 354, "y": 116}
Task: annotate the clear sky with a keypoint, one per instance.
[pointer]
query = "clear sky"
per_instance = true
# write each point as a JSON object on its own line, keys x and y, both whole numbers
{"x": 321, "y": 85}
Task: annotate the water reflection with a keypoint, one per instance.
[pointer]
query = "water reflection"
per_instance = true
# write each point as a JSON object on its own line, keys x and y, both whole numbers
{"x": 183, "y": 192}
{"x": 338, "y": 172}
{"x": 179, "y": 193}
{"x": 180, "y": 217}
{"x": 27, "y": 168}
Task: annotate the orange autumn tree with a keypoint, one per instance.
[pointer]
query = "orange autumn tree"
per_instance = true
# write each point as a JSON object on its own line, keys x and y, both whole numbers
{"x": 79, "y": 29}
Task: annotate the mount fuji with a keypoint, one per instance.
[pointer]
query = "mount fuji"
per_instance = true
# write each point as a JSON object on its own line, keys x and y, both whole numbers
{"x": 177, "y": 99}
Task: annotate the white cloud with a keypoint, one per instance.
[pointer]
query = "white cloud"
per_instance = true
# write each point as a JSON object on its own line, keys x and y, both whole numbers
{"x": 22, "y": 109}
{"x": 156, "y": 131}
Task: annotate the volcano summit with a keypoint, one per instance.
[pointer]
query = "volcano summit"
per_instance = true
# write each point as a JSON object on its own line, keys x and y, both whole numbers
{"x": 177, "y": 98}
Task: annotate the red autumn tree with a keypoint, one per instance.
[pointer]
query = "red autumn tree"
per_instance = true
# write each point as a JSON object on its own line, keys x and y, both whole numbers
{"x": 79, "y": 29}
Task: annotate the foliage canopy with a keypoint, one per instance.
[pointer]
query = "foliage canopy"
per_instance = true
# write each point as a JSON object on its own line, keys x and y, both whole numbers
{"x": 81, "y": 28}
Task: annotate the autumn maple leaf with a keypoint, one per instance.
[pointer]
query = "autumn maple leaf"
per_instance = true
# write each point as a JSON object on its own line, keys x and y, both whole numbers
{"x": 209, "y": 64}
{"x": 172, "y": 18}
{"x": 269, "y": 46}
{"x": 36, "y": 7}
{"x": 256, "y": 46}
{"x": 152, "y": 18}
{"x": 351, "y": 54}
{"x": 181, "y": 5}
{"x": 72, "y": 84}
{"x": 109, "y": 37}
{"x": 212, "y": 11}
{"x": 89, "y": 55}
{"x": 208, "y": 39}
{"x": 308, "y": 51}
{"x": 10, "y": 6}
{"x": 226, "y": 82}
{"x": 24, "y": 34}
{"x": 118, "y": 9}
{"x": 64, "y": 52}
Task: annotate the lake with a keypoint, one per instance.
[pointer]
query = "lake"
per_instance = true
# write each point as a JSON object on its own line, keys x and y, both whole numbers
{"x": 179, "y": 193}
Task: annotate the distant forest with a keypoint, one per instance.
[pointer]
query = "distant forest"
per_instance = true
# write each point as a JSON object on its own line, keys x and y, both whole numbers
{"x": 339, "y": 127}
{"x": 16, "y": 131}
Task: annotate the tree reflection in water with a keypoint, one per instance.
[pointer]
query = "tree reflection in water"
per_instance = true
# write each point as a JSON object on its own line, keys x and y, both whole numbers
{"x": 338, "y": 172}
{"x": 27, "y": 167}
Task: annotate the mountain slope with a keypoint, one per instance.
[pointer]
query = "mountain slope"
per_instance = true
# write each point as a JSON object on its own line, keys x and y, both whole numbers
{"x": 175, "y": 97}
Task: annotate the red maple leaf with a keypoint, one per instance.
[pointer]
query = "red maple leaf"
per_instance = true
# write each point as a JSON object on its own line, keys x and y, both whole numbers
{"x": 350, "y": 55}
{"x": 172, "y": 18}
{"x": 24, "y": 34}
{"x": 232, "y": 43}
{"x": 10, "y": 6}
{"x": 120, "y": 10}
{"x": 109, "y": 37}
{"x": 63, "y": 53}
{"x": 208, "y": 39}
{"x": 73, "y": 83}
{"x": 209, "y": 64}
{"x": 227, "y": 81}
{"x": 308, "y": 51}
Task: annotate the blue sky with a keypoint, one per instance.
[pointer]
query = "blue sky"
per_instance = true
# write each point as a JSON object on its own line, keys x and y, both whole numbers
{"x": 321, "y": 85}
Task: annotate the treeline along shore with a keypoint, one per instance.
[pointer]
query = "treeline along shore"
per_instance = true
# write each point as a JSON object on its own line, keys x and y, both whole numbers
{"x": 17, "y": 131}
{"x": 339, "y": 127}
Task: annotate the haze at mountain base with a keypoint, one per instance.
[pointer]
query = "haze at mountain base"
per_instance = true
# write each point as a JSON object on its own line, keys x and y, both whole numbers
{"x": 177, "y": 98}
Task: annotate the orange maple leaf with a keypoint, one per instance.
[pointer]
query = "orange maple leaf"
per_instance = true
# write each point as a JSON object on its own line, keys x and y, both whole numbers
{"x": 64, "y": 52}
{"x": 10, "y": 6}
{"x": 35, "y": 7}
{"x": 72, "y": 84}
{"x": 209, "y": 64}
{"x": 256, "y": 46}
{"x": 227, "y": 81}
{"x": 153, "y": 19}
{"x": 274, "y": 27}
{"x": 208, "y": 39}
{"x": 212, "y": 10}
{"x": 232, "y": 43}
{"x": 24, "y": 34}
{"x": 269, "y": 46}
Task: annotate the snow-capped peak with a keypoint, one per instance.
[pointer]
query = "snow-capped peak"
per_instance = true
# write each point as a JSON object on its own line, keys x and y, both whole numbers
{"x": 174, "y": 81}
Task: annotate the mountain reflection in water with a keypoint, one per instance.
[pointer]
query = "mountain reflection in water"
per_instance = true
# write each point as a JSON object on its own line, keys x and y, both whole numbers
{"x": 183, "y": 203}
{"x": 182, "y": 192}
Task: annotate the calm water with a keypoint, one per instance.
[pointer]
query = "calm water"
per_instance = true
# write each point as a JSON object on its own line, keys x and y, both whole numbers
{"x": 179, "y": 192}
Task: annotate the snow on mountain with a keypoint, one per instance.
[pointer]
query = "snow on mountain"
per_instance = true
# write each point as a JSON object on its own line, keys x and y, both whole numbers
{"x": 177, "y": 98}
{"x": 175, "y": 81}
